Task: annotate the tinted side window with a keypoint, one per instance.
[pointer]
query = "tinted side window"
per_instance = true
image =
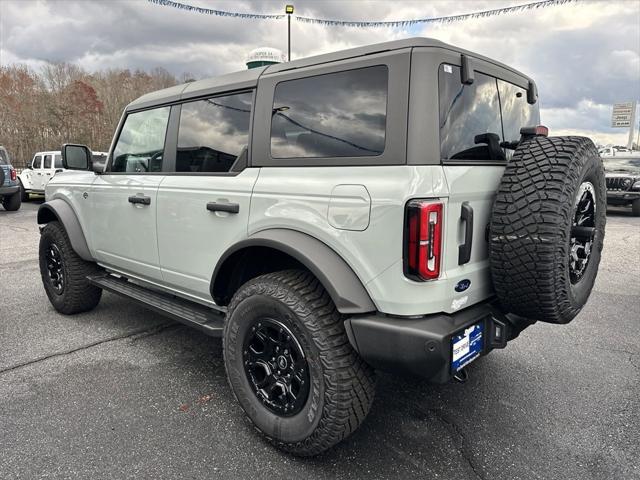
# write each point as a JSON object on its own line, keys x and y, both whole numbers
{"x": 140, "y": 146}
{"x": 37, "y": 162}
{"x": 47, "y": 161}
{"x": 4, "y": 158}
{"x": 467, "y": 111}
{"x": 213, "y": 132}
{"x": 516, "y": 112}
{"x": 57, "y": 161}
{"x": 333, "y": 115}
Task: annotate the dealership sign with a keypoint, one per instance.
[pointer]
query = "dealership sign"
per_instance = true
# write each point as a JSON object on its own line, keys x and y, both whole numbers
{"x": 622, "y": 114}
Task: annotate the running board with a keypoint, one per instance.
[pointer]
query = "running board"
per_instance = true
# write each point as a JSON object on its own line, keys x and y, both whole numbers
{"x": 198, "y": 316}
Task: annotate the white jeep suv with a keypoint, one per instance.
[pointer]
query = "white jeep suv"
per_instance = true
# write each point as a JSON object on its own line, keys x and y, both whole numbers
{"x": 394, "y": 207}
{"x": 42, "y": 168}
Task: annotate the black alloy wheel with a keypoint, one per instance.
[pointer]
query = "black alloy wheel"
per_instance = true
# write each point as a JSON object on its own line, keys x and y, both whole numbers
{"x": 582, "y": 231}
{"x": 276, "y": 367}
{"x": 55, "y": 268}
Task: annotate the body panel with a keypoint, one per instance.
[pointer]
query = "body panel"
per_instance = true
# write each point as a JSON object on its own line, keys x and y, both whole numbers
{"x": 123, "y": 234}
{"x": 191, "y": 239}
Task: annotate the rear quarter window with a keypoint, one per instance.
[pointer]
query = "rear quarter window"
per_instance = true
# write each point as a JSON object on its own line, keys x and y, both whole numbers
{"x": 339, "y": 114}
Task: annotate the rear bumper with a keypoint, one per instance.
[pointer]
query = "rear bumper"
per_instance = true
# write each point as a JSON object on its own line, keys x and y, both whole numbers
{"x": 422, "y": 346}
{"x": 9, "y": 190}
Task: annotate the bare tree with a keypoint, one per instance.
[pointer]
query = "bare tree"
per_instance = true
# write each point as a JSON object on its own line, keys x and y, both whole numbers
{"x": 63, "y": 103}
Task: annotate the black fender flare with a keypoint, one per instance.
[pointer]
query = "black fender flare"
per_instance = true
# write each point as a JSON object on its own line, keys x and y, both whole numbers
{"x": 336, "y": 276}
{"x": 58, "y": 209}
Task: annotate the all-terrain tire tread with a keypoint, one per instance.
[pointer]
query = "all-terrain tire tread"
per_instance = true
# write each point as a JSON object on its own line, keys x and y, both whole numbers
{"x": 349, "y": 381}
{"x": 529, "y": 228}
{"x": 79, "y": 295}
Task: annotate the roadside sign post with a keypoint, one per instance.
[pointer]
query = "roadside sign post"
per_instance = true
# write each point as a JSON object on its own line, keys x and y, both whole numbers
{"x": 623, "y": 115}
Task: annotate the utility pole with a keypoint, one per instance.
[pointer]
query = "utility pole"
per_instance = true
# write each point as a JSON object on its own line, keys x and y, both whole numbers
{"x": 632, "y": 126}
{"x": 288, "y": 10}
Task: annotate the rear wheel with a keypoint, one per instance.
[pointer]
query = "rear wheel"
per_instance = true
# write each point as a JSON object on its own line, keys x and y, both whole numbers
{"x": 12, "y": 203}
{"x": 64, "y": 273}
{"x": 547, "y": 228}
{"x": 635, "y": 208}
{"x": 290, "y": 364}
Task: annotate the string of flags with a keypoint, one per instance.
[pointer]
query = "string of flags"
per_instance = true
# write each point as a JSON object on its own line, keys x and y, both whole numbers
{"x": 218, "y": 13}
{"x": 366, "y": 24}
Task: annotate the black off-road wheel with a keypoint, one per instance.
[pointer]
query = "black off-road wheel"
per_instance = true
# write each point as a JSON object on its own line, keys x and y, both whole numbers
{"x": 290, "y": 364}
{"x": 547, "y": 228}
{"x": 11, "y": 203}
{"x": 635, "y": 208}
{"x": 64, "y": 273}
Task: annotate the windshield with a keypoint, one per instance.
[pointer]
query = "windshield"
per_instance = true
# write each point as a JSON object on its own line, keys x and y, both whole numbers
{"x": 631, "y": 164}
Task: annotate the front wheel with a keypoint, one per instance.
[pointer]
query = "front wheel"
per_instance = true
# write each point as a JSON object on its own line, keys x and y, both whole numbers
{"x": 635, "y": 208}
{"x": 64, "y": 273}
{"x": 291, "y": 366}
{"x": 24, "y": 196}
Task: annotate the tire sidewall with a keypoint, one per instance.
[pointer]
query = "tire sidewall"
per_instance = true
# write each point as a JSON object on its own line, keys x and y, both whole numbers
{"x": 52, "y": 235}
{"x": 291, "y": 429}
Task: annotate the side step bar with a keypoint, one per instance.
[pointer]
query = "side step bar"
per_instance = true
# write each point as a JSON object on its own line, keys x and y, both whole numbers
{"x": 205, "y": 319}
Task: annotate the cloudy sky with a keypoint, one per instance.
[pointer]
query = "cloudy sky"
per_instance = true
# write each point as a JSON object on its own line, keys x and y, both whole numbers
{"x": 584, "y": 56}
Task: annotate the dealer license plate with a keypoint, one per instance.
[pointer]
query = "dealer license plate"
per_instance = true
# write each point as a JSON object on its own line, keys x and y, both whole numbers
{"x": 466, "y": 346}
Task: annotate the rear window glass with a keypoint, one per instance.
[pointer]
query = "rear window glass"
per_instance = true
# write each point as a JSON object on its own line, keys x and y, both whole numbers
{"x": 468, "y": 112}
{"x": 3, "y": 157}
{"x": 339, "y": 114}
{"x": 213, "y": 132}
{"x": 516, "y": 112}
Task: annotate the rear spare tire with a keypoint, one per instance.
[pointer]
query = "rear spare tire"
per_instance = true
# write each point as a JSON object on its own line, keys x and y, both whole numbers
{"x": 547, "y": 228}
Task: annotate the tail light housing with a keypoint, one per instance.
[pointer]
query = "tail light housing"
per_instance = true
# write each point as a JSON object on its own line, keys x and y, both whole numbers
{"x": 423, "y": 229}
{"x": 13, "y": 174}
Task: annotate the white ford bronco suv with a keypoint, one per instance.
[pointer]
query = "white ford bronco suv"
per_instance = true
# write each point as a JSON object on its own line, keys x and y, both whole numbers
{"x": 393, "y": 207}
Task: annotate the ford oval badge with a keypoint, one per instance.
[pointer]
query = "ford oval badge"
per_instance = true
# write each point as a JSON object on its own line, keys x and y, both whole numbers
{"x": 462, "y": 285}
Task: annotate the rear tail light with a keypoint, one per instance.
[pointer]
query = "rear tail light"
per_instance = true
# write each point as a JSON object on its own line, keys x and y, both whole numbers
{"x": 423, "y": 239}
{"x": 13, "y": 174}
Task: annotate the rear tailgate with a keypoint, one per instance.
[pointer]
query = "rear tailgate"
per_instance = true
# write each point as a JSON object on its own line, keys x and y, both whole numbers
{"x": 474, "y": 188}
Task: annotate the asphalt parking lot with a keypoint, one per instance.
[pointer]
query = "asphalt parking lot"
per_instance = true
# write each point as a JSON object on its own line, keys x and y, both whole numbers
{"x": 122, "y": 393}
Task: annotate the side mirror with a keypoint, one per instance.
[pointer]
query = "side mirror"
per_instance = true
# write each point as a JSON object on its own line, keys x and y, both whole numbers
{"x": 98, "y": 163}
{"x": 76, "y": 157}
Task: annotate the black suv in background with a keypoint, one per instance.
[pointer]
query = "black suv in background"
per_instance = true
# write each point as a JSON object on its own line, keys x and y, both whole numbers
{"x": 623, "y": 181}
{"x": 9, "y": 187}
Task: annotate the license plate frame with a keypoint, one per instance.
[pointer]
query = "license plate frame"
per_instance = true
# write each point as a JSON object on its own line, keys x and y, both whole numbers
{"x": 466, "y": 346}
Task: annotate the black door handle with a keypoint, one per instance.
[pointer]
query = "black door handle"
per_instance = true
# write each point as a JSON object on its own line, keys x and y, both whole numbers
{"x": 223, "y": 207}
{"x": 141, "y": 199}
{"x": 464, "y": 250}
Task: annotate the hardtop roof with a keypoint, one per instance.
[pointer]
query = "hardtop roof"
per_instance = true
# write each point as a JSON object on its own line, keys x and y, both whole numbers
{"x": 249, "y": 78}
